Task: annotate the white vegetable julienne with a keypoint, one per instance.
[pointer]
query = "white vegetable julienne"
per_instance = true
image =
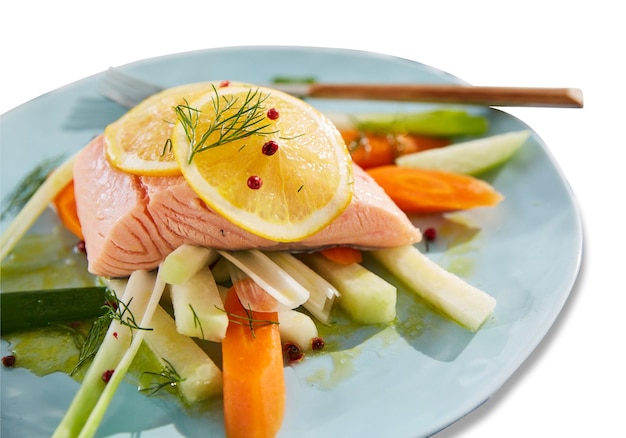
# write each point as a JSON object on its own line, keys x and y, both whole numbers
{"x": 451, "y": 295}
{"x": 269, "y": 276}
{"x": 365, "y": 296}
{"x": 297, "y": 328}
{"x": 198, "y": 307}
{"x": 322, "y": 293}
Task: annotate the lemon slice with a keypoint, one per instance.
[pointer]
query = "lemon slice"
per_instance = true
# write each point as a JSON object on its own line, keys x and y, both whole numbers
{"x": 138, "y": 142}
{"x": 266, "y": 161}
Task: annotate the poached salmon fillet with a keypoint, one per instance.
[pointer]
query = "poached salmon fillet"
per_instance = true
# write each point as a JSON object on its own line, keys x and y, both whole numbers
{"x": 133, "y": 222}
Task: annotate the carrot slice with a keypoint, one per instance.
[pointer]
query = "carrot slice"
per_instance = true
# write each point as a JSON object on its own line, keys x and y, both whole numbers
{"x": 253, "y": 376}
{"x": 371, "y": 150}
{"x": 433, "y": 191}
{"x": 343, "y": 254}
{"x": 65, "y": 206}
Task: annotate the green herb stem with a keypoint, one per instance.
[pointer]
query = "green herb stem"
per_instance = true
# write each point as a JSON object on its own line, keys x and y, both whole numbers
{"x": 37, "y": 203}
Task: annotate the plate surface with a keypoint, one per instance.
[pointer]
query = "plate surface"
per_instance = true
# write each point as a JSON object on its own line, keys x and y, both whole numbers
{"x": 411, "y": 379}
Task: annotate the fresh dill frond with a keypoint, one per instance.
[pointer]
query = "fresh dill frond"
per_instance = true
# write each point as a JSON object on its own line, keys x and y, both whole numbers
{"x": 168, "y": 377}
{"x": 20, "y": 195}
{"x": 196, "y": 321}
{"x": 92, "y": 341}
{"x": 234, "y": 119}
{"x": 121, "y": 312}
{"x": 248, "y": 320}
{"x": 115, "y": 309}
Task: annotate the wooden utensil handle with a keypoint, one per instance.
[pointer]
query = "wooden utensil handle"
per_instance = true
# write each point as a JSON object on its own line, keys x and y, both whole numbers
{"x": 466, "y": 94}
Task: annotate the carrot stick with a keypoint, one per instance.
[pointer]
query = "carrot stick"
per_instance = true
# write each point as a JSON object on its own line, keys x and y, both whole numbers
{"x": 65, "y": 206}
{"x": 371, "y": 150}
{"x": 253, "y": 376}
{"x": 432, "y": 191}
{"x": 343, "y": 254}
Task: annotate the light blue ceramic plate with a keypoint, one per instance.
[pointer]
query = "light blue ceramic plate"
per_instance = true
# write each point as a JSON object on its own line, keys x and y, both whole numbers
{"x": 409, "y": 380}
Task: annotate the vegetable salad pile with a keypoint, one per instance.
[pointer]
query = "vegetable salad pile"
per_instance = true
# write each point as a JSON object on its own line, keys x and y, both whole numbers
{"x": 244, "y": 300}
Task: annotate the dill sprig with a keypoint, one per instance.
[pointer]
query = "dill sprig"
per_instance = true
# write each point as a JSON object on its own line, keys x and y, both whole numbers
{"x": 196, "y": 321}
{"x": 20, "y": 195}
{"x": 116, "y": 309}
{"x": 121, "y": 312}
{"x": 248, "y": 320}
{"x": 234, "y": 120}
{"x": 168, "y": 377}
{"x": 92, "y": 341}
{"x": 97, "y": 331}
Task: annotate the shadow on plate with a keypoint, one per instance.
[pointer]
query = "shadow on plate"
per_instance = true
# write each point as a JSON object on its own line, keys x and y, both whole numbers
{"x": 93, "y": 113}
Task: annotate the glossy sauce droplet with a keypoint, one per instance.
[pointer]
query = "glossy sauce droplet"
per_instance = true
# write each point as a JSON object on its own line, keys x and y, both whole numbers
{"x": 255, "y": 182}
{"x": 270, "y": 148}
{"x": 272, "y": 114}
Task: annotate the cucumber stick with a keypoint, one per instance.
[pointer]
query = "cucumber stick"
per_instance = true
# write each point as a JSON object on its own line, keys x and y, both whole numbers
{"x": 200, "y": 377}
{"x": 437, "y": 123}
{"x": 28, "y": 309}
{"x": 452, "y": 296}
{"x": 366, "y": 297}
{"x": 198, "y": 307}
{"x": 470, "y": 157}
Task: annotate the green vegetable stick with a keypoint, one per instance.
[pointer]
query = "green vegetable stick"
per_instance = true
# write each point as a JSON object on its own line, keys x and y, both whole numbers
{"x": 28, "y": 309}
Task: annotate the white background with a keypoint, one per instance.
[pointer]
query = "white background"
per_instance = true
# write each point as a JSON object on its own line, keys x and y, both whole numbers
{"x": 574, "y": 384}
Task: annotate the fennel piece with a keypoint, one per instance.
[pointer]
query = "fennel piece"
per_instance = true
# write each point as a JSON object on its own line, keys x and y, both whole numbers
{"x": 120, "y": 345}
{"x": 322, "y": 293}
{"x": 269, "y": 276}
{"x": 297, "y": 328}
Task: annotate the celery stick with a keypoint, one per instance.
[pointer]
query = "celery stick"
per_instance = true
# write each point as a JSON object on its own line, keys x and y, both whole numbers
{"x": 200, "y": 377}
{"x": 322, "y": 293}
{"x": 365, "y": 296}
{"x": 40, "y": 200}
{"x": 438, "y": 123}
{"x": 451, "y": 295}
{"x": 146, "y": 313}
{"x": 120, "y": 344}
{"x": 198, "y": 307}
{"x": 271, "y": 277}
